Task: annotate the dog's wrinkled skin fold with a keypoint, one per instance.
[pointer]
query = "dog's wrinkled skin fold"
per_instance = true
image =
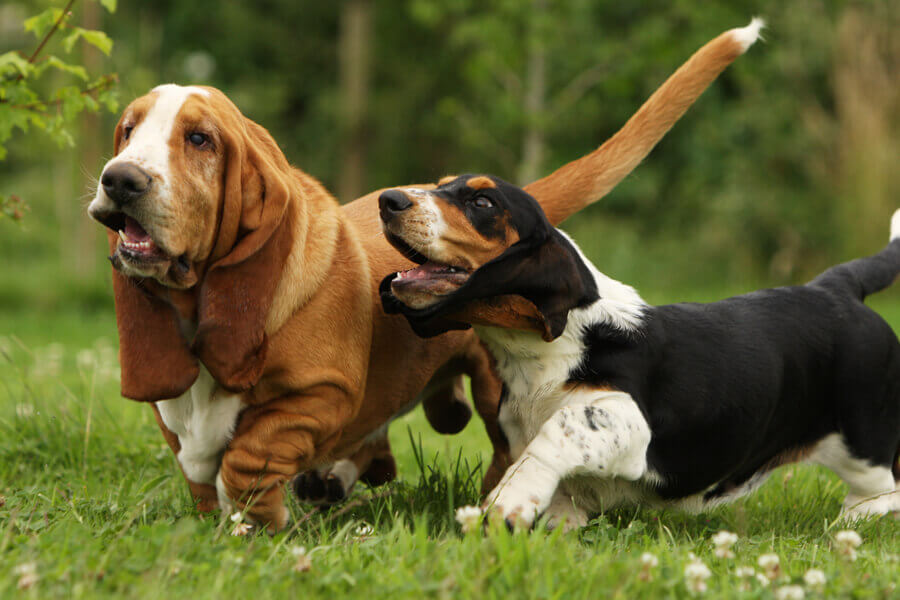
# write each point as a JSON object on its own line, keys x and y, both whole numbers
{"x": 248, "y": 307}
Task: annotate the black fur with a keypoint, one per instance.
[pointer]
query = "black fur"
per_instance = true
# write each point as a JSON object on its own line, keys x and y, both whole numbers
{"x": 730, "y": 388}
{"x": 541, "y": 267}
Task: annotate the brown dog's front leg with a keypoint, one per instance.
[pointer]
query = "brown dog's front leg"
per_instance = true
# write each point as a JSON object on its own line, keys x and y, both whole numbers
{"x": 272, "y": 443}
{"x": 204, "y": 494}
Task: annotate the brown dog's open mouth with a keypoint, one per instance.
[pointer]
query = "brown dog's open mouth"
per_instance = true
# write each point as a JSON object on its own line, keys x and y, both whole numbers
{"x": 430, "y": 276}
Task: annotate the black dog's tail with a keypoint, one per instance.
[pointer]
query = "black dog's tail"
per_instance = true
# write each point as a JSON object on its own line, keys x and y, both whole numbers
{"x": 865, "y": 276}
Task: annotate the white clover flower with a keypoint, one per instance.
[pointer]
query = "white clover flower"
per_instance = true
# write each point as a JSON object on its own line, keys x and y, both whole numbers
{"x": 696, "y": 573}
{"x": 364, "y": 530}
{"x": 815, "y": 578}
{"x": 27, "y": 574}
{"x": 85, "y": 359}
{"x": 24, "y": 410}
{"x": 237, "y": 517}
{"x": 303, "y": 562}
{"x": 790, "y": 592}
{"x": 649, "y": 560}
{"x": 468, "y": 518}
{"x": 762, "y": 580}
{"x": 241, "y": 529}
{"x": 648, "y": 563}
{"x": 745, "y": 572}
{"x": 846, "y": 542}
{"x": 770, "y": 564}
{"x": 723, "y": 542}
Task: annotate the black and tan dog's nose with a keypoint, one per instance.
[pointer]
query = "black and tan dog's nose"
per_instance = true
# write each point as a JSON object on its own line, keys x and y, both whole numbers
{"x": 391, "y": 203}
{"x": 124, "y": 182}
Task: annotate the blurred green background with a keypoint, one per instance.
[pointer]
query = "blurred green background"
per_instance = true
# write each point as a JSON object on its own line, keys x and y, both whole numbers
{"x": 785, "y": 166}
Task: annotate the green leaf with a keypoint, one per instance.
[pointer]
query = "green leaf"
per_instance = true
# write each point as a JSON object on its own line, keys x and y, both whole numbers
{"x": 41, "y": 23}
{"x": 56, "y": 63}
{"x": 99, "y": 40}
{"x": 13, "y": 62}
{"x": 109, "y": 5}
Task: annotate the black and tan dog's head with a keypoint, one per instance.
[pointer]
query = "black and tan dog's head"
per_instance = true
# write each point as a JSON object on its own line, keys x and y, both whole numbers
{"x": 487, "y": 256}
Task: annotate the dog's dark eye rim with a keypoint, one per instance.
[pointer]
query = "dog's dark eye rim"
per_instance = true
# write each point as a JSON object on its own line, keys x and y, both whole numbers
{"x": 198, "y": 139}
{"x": 481, "y": 201}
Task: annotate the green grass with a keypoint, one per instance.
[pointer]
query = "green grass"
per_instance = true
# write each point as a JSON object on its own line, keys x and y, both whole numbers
{"x": 93, "y": 498}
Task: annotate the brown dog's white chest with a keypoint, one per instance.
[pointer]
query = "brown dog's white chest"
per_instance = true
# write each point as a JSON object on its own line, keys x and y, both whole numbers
{"x": 203, "y": 418}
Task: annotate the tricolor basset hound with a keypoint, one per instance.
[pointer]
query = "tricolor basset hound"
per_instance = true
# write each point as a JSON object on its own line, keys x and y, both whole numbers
{"x": 608, "y": 400}
{"x": 248, "y": 307}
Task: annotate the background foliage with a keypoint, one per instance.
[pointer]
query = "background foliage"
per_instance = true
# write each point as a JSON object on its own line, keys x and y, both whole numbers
{"x": 784, "y": 166}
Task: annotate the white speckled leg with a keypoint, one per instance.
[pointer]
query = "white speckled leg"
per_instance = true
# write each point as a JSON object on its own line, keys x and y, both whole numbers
{"x": 607, "y": 437}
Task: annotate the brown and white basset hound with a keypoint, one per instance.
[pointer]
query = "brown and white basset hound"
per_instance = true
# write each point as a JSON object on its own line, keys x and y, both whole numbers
{"x": 247, "y": 299}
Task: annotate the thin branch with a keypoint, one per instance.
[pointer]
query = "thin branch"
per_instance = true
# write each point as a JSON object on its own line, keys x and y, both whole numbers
{"x": 105, "y": 82}
{"x": 50, "y": 33}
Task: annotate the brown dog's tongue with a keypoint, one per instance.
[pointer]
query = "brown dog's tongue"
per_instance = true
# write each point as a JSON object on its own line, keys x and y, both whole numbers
{"x": 134, "y": 231}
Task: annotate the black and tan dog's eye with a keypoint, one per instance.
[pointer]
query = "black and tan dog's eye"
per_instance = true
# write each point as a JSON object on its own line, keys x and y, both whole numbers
{"x": 198, "y": 139}
{"x": 126, "y": 131}
{"x": 481, "y": 202}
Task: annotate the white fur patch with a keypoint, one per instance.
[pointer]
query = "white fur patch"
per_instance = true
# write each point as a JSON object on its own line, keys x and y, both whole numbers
{"x": 746, "y": 36}
{"x": 204, "y": 420}
{"x": 895, "y": 225}
{"x": 873, "y": 491}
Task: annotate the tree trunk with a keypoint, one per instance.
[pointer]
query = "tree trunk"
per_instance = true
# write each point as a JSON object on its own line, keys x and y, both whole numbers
{"x": 354, "y": 48}
{"x": 533, "y": 142}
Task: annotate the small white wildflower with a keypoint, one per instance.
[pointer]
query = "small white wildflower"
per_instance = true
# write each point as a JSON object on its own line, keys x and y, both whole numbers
{"x": 241, "y": 529}
{"x": 790, "y": 592}
{"x": 762, "y": 579}
{"x": 364, "y": 530}
{"x": 846, "y": 542}
{"x": 468, "y": 518}
{"x": 85, "y": 359}
{"x": 723, "y": 542}
{"x": 770, "y": 564}
{"x": 27, "y": 573}
{"x": 303, "y": 561}
{"x": 696, "y": 573}
{"x": 848, "y": 537}
{"x": 815, "y": 578}
{"x": 745, "y": 572}
{"x": 648, "y": 563}
{"x": 236, "y": 517}
{"x": 649, "y": 560}
{"x": 24, "y": 410}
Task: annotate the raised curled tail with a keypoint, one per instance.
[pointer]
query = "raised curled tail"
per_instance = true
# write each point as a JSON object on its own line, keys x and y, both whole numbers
{"x": 584, "y": 181}
{"x": 865, "y": 276}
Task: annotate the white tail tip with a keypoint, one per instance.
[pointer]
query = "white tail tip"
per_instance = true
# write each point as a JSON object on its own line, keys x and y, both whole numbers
{"x": 745, "y": 36}
{"x": 895, "y": 225}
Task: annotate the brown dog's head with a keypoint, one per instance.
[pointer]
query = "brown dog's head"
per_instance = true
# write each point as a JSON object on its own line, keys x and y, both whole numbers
{"x": 487, "y": 256}
{"x": 194, "y": 200}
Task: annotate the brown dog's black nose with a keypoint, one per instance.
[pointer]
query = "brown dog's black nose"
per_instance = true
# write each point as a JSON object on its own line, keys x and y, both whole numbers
{"x": 391, "y": 203}
{"x": 125, "y": 182}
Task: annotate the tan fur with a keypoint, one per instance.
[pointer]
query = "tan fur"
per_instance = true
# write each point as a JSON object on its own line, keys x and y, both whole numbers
{"x": 446, "y": 179}
{"x": 584, "y": 181}
{"x": 480, "y": 183}
{"x": 332, "y": 368}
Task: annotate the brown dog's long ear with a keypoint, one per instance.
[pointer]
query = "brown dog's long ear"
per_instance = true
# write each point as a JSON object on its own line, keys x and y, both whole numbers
{"x": 154, "y": 357}
{"x": 252, "y": 245}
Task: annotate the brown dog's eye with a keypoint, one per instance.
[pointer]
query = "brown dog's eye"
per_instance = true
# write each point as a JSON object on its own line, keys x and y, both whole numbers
{"x": 198, "y": 139}
{"x": 482, "y": 202}
{"x": 126, "y": 131}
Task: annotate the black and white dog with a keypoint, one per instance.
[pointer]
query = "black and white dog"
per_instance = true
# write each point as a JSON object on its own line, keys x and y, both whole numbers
{"x": 610, "y": 400}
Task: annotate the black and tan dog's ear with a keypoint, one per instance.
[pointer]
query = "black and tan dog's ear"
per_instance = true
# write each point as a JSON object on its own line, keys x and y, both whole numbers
{"x": 531, "y": 287}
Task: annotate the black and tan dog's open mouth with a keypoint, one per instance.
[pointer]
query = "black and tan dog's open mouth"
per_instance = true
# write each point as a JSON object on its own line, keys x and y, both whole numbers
{"x": 429, "y": 275}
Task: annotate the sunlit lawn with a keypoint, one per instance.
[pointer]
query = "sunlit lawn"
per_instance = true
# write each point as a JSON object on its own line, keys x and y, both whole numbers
{"x": 93, "y": 505}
